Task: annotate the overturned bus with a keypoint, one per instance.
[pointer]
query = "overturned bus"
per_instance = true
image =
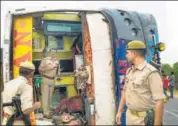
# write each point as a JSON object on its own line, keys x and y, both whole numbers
{"x": 92, "y": 38}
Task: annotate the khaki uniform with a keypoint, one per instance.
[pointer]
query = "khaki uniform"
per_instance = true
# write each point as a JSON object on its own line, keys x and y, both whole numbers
{"x": 12, "y": 88}
{"x": 143, "y": 86}
{"x": 47, "y": 87}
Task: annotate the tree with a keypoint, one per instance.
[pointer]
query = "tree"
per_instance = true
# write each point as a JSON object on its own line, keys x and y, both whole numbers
{"x": 175, "y": 69}
{"x": 167, "y": 69}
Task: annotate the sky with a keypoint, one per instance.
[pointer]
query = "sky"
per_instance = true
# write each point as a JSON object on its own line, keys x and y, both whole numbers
{"x": 163, "y": 11}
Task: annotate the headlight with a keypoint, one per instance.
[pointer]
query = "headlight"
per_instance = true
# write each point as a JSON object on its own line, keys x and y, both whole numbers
{"x": 160, "y": 46}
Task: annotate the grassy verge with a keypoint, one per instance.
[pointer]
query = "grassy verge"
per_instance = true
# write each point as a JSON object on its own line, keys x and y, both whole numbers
{"x": 175, "y": 93}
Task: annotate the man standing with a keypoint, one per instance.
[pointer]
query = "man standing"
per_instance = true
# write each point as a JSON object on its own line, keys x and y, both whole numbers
{"x": 143, "y": 90}
{"x": 165, "y": 86}
{"x": 171, "y": 84}
{"x": 22, "y": 86}
{"x": 49, "y": 69}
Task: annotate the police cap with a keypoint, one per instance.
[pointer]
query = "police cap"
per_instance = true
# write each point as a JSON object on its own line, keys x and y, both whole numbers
{"x": 27, "y": 65}
{"x": 136, "y": 45}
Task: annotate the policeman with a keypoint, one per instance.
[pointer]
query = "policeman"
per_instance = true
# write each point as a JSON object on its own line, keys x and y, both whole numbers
{"x": 143, "y": 90}
{"x": 49, "y": 69}
{"x": 22, "y": 86}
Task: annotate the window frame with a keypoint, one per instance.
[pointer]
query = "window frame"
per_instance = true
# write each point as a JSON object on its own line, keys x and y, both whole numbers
{"x": 61, "y": 33}
{"x": 58, "y": 49}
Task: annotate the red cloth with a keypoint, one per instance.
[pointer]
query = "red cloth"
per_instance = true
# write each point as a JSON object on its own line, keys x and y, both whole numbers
{"x": 165, "y": 81}
{"x": 72, "y": 104}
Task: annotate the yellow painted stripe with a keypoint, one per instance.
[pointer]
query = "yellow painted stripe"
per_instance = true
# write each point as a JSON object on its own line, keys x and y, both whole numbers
{"x": 65, "y": 81}
{"x": 60, "y": 55}
{"x": 22, "y": 42}
{"x": 71, "y": 91}
{"x": 67, "y": 43}
{"x": 40, "y": 36}
{"x": 69, "y": 83}
{"x": 62, "y": 16}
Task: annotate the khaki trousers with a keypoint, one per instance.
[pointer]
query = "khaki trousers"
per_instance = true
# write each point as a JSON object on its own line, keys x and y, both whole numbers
{"x": 133, "y": 119}
{"x": 47, "y": 89}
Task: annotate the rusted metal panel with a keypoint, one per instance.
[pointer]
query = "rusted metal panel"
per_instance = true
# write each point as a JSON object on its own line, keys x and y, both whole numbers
{"x": 88, "y": 62}
{"x": 88, "y": 53}
{"x": 102, "y": 70}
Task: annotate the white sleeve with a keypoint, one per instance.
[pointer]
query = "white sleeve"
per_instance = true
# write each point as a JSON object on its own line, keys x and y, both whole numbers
{"x": 26, "y": 97}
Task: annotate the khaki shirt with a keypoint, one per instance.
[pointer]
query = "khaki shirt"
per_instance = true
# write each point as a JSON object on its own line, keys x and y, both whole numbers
{"x": 143, "y": 87}
{"x": 49, "y": 67}
{"x": 18, "y": 86}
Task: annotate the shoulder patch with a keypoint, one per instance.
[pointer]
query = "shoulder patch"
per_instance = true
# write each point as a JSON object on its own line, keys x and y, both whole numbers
{"x": 151, "y": 68}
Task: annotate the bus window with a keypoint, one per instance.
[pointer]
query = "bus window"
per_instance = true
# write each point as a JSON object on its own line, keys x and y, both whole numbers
{"x": 55, "y": 42}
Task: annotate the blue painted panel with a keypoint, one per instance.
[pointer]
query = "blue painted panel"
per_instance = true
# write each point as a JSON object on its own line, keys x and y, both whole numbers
{"x": 121, "y": 35}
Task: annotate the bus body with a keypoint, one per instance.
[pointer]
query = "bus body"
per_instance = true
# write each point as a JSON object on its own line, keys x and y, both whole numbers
{"x": 100, "y": 36}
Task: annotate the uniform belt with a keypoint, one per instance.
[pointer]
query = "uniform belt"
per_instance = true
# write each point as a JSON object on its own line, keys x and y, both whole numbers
{"x": 139, "y": 114}
{"x": 6, "y": 115}
{"x": 52, "y": 78}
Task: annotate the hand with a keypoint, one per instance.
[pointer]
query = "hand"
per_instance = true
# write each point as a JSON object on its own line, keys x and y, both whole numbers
{"x": 37, "y": 105}
{"x": 118, "y": 117}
